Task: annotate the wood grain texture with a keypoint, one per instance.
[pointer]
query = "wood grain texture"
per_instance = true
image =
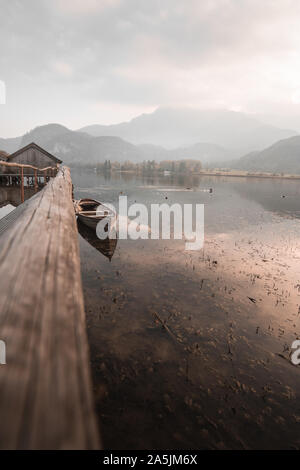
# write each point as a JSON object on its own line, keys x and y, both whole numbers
{"x": 45, "y": 387}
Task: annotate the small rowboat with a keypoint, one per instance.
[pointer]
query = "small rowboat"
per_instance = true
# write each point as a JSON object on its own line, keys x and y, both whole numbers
{"x": 90, "y": 212}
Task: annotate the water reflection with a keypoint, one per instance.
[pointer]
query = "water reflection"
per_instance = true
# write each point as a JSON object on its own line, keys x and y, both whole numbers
{"x": 181, "y": 356}
{"x": 279, "y": 196}
{"x": 107, "y": 247}
{"x": 266, "y": 193}
{"x": 10, "y": 198}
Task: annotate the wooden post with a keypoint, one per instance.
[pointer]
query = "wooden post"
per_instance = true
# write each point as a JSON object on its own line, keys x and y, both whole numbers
{"x": 46, "y": 397}
{"x": 35, "y": 180}
{"x": 22, "y": 184}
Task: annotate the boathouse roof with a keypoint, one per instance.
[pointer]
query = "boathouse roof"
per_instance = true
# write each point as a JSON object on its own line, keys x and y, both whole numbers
{"x": 36, "y": 147}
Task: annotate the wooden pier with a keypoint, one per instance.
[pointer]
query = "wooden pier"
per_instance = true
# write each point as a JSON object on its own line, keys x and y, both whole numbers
{"x": 35, "y": 177}
{"x": 46, "y": 397}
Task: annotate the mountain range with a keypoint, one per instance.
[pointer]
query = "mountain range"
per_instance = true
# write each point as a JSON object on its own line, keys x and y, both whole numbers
{"x": 78, "y": 147}
{"x": 281, "y": 157}
{"x": 269, "y": 148}
{"x": 173, "y": 127}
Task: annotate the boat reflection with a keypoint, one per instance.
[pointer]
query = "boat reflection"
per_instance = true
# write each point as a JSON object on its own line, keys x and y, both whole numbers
{"x": 107, "y": 247}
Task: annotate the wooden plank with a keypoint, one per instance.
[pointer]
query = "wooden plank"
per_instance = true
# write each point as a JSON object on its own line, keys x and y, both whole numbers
{"x": 45, "y": 387}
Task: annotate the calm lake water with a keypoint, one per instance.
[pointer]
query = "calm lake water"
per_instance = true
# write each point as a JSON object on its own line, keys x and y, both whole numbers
{"x": 218, "y": 375}
{"x": 191, "y": 349}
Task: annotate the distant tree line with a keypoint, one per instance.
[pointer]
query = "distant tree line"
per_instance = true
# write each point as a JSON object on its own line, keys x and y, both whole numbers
{"x": 152, "y": 167}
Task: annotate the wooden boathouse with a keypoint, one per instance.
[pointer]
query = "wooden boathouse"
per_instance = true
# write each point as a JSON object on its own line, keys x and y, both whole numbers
{"x": 46, "y": 399}
{"x": 33, "y": 154}
{"x": 29, "y": 166}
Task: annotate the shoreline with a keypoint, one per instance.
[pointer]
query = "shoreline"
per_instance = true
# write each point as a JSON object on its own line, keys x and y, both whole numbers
{"x": 249, "y": 175}
{"x": 205, "y": 173}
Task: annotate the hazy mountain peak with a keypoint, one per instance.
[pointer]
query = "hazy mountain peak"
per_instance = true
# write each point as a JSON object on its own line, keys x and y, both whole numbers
{"x": 75, "y": 147}
{"x": 181, "y": 127}
{"x": 281, "y": 157}
{"x": 44, "y": 132}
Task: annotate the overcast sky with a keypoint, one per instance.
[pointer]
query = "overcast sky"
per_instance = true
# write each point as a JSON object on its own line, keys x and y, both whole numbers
{"x": 79, "y": 62}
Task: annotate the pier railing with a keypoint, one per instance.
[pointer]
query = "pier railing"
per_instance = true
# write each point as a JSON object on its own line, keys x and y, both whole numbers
{"x": 46, "y": 399}
{"x": 33, "y": 178}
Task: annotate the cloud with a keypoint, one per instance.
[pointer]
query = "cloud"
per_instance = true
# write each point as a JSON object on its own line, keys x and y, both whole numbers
{"x": 2, "y": 92}
{"x": 85, "y": 6}
{"x": 138, "y": 54}
{"x": 62, "y": 68}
